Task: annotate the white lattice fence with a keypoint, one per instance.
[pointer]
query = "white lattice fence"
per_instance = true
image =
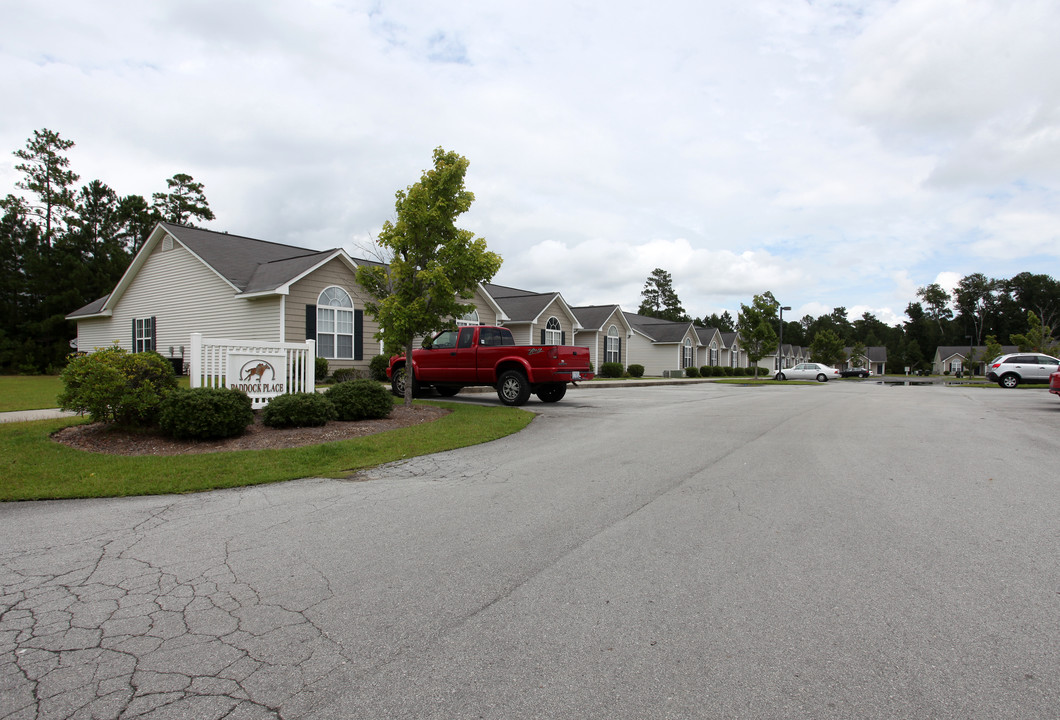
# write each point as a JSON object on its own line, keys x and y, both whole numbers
{"x": 261, "y": 369}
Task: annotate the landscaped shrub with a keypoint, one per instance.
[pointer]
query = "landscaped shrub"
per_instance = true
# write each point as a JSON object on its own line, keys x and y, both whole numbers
{"x": 705, "y": 371}
{"x": 691, "y": 372}
{"x": 320, "y": 368}
{"x": 635, "y": 370}
{"x": 738, "y": 372}
{"x": 727, "y": 371}
{"x": 113, "y": 385}
{"x": 360, "y": 400}
{"x": 205, "y": 413}
{"x": 377, "y": 367}
{"x": 342, "y": 375}
{"x": 298, "y": 410}
{"x": 611, "y": 370}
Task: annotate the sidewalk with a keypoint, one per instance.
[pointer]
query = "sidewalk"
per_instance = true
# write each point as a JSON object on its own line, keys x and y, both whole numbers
{"x": 26, "y": 415}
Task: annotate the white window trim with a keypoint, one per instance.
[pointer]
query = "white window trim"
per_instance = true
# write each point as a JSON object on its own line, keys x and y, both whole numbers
{"x": 144, "y": 339}
{"x": 333, "y": 307}
{"x": 611, "y": 347}
{"x": 553, "y": 331}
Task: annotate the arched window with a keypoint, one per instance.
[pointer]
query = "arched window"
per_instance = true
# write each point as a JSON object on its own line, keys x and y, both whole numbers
{"x": 687, "y": 357}
{"x": 470, "y": 319}
{"x": 612, "y": 346}
{"x": 734, "y": 355}
{"x": 553, "y": 332}
{"x": 335, "y": 324}
{"x": 714, "y": 353}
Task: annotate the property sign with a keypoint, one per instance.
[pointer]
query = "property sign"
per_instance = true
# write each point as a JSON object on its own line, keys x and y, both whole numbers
{"x": 262, "y": 377}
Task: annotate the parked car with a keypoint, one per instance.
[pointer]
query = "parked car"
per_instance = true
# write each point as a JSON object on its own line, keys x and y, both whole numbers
{"x": 855, "y": 372}
{"x": 1054, "y": 383}
{"x": 808, "y": 371}
{"x": 1010, "y": 370}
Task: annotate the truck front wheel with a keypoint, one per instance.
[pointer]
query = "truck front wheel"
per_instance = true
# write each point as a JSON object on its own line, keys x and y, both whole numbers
{"x": 552, "y": 392}
{"x": 398, "y": 380}
{"x": 513, "y": 388}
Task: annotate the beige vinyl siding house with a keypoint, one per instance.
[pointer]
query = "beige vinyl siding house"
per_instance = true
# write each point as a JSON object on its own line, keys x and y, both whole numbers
{"x": 187, "y": 280}
{"x": 202, "y": 301}
{"x": 662, "y": 346}
{"x": 605, "y": 331}
{"x": 534, "y": 318}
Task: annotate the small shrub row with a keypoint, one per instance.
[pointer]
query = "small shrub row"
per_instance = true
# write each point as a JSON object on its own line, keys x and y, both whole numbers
{"x": 611, "y": 370}
{"x": 205, "y": 413}
{"x": 359, "y": 399}
{"x": 635, "y": 370}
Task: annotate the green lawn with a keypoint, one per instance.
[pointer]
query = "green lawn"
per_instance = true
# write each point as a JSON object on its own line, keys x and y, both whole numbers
{"x": 34, "y": 467}
{"x": 29, "y": 392}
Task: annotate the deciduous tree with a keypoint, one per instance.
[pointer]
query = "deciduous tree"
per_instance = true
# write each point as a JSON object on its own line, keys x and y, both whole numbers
{"x": 433, "y": 266}
{"x": 756, "y": 325}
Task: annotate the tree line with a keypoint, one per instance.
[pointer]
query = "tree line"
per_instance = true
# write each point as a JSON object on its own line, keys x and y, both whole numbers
{"x": 981, "y": 311}
{"x": 63, "y": 246}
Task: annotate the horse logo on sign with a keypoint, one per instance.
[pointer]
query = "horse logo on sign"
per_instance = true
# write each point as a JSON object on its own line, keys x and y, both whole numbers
{"x": 257, "y": 369}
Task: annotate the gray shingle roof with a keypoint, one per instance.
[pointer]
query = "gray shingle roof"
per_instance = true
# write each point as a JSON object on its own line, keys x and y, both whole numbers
{"x": 249, "y": 264}
{"x": 593, "y": 317}
{"x": 519, "y": 305}
{"x": 661, "y": 331}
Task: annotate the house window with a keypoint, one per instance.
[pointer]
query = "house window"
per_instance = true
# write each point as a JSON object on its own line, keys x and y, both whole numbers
{"x": 734, "y": 356}
{"x": 714, "y": 353}
{"x": 687, "y": 359}
{"x": 553, "y": 332}
{"x": 143, "y": 334}
{"x": 611, "y": 346}
{"x": 470, "y": 319}
{"x": 335, "y": 324}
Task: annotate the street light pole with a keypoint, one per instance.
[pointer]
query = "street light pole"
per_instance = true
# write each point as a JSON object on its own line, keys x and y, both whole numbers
{"x": 780, "y": 342}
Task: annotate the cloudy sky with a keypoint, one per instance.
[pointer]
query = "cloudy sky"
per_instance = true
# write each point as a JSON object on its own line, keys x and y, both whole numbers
{"x": 835, "y": 152}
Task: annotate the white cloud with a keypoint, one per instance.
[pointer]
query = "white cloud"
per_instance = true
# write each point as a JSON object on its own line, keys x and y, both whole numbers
{"x": 836, "y": 153}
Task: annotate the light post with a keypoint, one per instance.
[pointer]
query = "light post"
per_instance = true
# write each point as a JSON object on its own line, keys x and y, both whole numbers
{"x": 780, "y": 342}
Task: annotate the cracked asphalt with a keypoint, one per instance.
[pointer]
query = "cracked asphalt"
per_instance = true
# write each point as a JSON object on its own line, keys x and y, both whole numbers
{"x": 836, "y": 551}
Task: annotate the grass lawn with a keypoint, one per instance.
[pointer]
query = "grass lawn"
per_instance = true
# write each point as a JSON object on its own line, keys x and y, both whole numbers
{"x": 34, "y": 467}
{"x": 29, "y": 392}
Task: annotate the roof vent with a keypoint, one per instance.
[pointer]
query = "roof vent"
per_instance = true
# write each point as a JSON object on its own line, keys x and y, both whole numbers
{"x": 167, "y": 243}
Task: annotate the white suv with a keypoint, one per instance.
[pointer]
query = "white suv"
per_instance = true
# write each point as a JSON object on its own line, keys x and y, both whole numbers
{"x": 1008, "y": 371}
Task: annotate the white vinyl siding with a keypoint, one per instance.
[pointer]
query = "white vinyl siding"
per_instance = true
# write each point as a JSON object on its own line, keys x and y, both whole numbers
{"x": 199, "y": 302}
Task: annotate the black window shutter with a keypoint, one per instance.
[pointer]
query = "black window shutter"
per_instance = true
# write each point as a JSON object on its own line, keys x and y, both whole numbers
{"x": 358, "y": 335}
{"x": 134, "y": 335}
{"x": 619, "y": 350}
{"x": 154, "y": 334}
{"x": 310, "y": 322}
{"x": 542, "y": 336}
{"x": 563, "y": 338}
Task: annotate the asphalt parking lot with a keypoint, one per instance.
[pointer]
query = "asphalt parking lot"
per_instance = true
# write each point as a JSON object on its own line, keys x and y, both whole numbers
{"x": 846, "y": 550}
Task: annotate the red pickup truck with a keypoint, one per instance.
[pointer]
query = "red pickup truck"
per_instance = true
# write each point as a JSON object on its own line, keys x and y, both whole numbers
{"x": 486, "y": 355}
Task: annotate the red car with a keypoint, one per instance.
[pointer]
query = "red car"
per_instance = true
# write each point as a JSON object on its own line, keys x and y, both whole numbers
{"x": 1054, "y": 383}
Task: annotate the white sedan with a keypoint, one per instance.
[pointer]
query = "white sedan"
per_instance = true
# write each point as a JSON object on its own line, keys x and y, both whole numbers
{"x": 808, "y": 371}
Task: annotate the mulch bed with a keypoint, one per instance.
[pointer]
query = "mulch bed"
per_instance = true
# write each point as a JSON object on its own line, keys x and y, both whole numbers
{"x": 104, "y": 438}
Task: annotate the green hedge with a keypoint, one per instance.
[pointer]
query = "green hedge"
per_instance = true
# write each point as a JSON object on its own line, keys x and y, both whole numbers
{"x": 205, "y": 413}
{"x": 298, "y": 410}
{"x": 360, "y": 400}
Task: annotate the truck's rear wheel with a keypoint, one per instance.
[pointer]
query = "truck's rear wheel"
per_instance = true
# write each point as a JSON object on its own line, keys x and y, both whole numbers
{"x": 513, "y": 388}
{"x": 552, "y": 392}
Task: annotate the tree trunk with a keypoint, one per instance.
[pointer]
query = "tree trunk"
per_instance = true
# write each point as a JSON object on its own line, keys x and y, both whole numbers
{"x": 408, "y": 372}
